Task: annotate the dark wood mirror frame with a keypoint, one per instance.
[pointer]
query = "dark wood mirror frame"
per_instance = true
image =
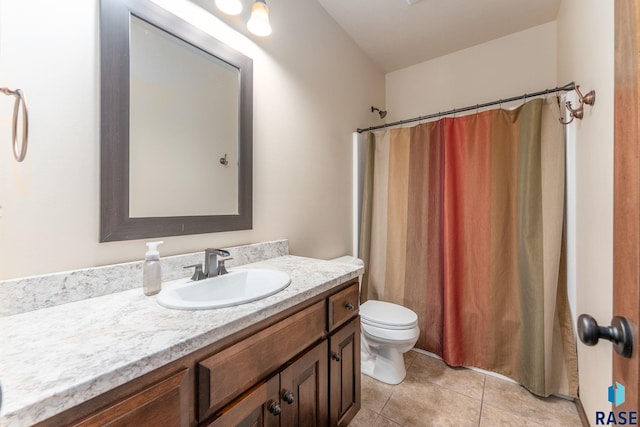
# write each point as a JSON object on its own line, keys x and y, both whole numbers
{"x": 115, "y": 222}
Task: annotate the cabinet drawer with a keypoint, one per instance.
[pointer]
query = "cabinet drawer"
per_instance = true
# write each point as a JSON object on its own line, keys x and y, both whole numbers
{"x": 223, "y": 376}
{"x": 164, "y": 403}
{"x": 343, "y": 306}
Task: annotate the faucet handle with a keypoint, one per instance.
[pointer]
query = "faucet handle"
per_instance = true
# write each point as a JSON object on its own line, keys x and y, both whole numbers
{"x": 198, "y": 274}
{"x": 221, "y": 252}
{"x": 222, "y": 269}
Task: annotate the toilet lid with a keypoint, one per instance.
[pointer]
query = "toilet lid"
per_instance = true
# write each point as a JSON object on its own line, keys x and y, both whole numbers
{"x": 387, "y": 315}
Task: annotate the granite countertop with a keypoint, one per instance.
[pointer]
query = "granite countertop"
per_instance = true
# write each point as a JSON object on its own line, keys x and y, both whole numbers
{"x": 56, "y": 358}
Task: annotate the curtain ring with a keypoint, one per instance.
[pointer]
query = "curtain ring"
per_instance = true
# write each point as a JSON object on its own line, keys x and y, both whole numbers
{"x": 20, "y": 100}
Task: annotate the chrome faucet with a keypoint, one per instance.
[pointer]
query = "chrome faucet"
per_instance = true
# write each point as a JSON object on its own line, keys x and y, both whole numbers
{"x": 212, "y": 266}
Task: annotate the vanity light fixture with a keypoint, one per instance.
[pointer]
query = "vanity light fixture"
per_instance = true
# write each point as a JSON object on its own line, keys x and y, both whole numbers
{"x": 230, "y": 7}
{"x": 259, "y": 21}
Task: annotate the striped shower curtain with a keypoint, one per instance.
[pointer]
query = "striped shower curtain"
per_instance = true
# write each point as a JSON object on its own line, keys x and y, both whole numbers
{"x": 463, "y": 222}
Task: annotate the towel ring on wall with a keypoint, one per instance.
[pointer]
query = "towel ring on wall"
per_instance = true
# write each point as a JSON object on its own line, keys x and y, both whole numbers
{"x": 19, "y": 151}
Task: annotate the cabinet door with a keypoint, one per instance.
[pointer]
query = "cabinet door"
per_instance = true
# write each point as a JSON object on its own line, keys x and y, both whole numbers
{"x": 165, "y": 403}
{"x": 344, "y": 369}
{"x": 259, "y": 407}
{"x": 304, "y": 390}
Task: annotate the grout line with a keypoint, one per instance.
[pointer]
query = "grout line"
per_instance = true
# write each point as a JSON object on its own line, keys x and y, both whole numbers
{"x": 484, "y": 385}
{"x": 387, "y": 401}
{"x": 395, "y": 387}
{"x": 413, "y": 361}
{"x": 388, "y": 419}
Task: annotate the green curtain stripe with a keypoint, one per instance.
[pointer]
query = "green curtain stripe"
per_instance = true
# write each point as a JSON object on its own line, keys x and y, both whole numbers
{"x": 364, "y": 248}
{"x": 530, "y": 247}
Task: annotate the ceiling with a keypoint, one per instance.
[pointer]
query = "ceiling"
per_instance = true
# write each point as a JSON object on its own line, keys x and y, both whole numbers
{"x": 396, "y": 34}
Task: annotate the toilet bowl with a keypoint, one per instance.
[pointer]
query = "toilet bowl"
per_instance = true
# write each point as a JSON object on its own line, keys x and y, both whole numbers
{"x": 388, "y": 331}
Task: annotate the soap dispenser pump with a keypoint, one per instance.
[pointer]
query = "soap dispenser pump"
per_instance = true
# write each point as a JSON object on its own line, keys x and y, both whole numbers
{"x": 151, "y": 275}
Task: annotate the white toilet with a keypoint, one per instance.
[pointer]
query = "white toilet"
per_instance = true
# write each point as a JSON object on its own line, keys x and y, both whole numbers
{"x": 388, "y": 331}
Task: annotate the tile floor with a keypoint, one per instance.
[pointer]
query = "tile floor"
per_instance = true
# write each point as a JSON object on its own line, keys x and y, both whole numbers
{"x": 434, "y": 394}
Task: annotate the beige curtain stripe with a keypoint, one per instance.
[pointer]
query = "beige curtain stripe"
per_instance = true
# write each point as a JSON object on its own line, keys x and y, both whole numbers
{"x": 505, "y": 307}
{"x": 397, "y": 203}
{"x": 377, "y": 257}
{"x": 417, "y": 255}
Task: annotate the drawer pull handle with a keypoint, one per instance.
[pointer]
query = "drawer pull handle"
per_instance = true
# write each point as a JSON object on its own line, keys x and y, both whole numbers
{"x": 348, "y": 306}
{"x": 274, "y": 408}
{"x": 288, "y": 397}
{"x": 335, "y": 356}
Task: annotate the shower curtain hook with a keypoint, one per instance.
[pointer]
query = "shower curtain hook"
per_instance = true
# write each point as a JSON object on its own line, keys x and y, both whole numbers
{"x": 476, "y": 109}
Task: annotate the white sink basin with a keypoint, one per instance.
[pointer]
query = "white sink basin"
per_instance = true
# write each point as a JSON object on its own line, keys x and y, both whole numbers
{"x": 234, "y": 288}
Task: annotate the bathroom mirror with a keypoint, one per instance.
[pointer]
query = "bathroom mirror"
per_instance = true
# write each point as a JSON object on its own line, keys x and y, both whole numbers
{"x": 176, "y": 127}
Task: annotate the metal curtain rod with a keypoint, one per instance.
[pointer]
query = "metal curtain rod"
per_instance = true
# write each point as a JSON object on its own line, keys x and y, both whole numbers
{"x": 565, "y": 88}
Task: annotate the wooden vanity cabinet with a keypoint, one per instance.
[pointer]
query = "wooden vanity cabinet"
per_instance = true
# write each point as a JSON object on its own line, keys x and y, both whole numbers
{"x": 320, "y": 387}
{"x": 300, "y": 367}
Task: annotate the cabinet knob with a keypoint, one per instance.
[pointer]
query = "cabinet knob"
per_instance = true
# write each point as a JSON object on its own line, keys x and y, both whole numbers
{"x": 335, "y": 356}
{"x": 288, "y": 397}
{"x": 274, "y": 408}
{"x": 348, "y": 306}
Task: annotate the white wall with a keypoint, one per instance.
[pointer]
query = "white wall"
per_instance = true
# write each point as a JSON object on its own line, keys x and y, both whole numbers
{"x": 312, "y": 87}
{"x": 586, "y": 55}
{"x": 506, "y": 67}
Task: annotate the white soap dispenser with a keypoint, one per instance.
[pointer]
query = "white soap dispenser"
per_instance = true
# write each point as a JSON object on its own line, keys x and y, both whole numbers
{"x": 151, "y": 277}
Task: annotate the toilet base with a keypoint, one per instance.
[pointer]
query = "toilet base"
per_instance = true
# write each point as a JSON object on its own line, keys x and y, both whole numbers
{"x": 387, "y": 366}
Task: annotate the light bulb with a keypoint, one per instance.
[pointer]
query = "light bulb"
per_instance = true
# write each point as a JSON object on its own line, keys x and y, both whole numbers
{"x": 259, "y": 22}
{"x": 230, "y": 7}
